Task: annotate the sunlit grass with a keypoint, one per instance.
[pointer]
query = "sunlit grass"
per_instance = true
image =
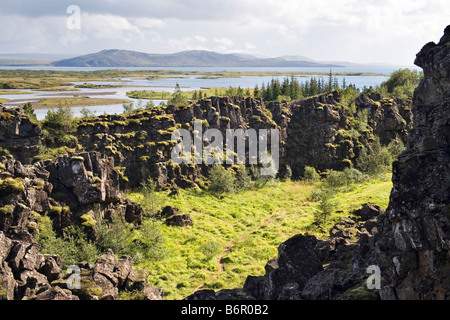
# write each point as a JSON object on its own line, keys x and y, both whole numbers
{"x": 246, "y": 228}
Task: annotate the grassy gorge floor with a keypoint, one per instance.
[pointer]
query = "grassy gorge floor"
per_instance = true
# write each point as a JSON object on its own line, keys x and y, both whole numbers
{"x": 234, "y": 236}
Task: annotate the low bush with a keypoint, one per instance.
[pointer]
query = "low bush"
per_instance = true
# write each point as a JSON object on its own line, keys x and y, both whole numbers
{"x": 311, "y": 174}
{"x": 221, "y": 180}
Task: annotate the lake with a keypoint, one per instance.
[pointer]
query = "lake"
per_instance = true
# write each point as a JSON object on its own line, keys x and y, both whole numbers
{"x": 186, "y": 82}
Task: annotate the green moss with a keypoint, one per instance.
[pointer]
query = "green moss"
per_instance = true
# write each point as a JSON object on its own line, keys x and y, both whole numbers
{"x": 11, "y": 186}
{"x": 39, "y": 183}
{"x": 88, "y": 220}
{"x": 331, "y": 146}
{"x": 167, "y": 132}
{"x": 77, "y": 158}
{"x": 164, "y": 143}
{"x": 32, "y": 226}
{"x": 256, "y": 118}
{"x": 348, "y": 163}
{"x": 55, "y": 210}
{"x": 90, "y": 288}
{"x": 133, "y": 121}
{"x": 163, "y": 117}
{"x": 133, "y": 295}
{"x": 361, "y": 293}
{"x": 113, "y": 149}
{"x": 121, "y": 172}
{"x": 130, "y": 135}
{"x": 119, "y": 123}
{"x": 7, "y": 210}
{"x": 7, "y": 116}
{"x": 86, "y": 124}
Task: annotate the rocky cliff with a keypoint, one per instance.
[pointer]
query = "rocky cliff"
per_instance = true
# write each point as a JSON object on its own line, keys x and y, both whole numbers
{"x": 325, "y": 133}
{"x": 19, "y": 135}
{"x": 414, "y": 235}
{"x": 67, "y": 190}
{"x": 320, "y": 131}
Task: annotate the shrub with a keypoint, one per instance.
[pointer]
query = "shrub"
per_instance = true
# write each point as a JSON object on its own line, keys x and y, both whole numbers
{"x": 149, "y": 245}
{"x": 326, "y": 205}
{"x": 87, "y": 113}
{"x": 336, "y": 179}
{"x": 285, "y": 173}
{"x": 355, "y": 176}
{"x": 28, "y": 109}
{"x": 221, "y": 180}
{"x": 152, "y": 199}
{"x": 115, "y": 235}
{"x": 243, "y": 179}
{"x": 375, "y": 158}
{"x": 59, "y": 123}
{"x": 72, "y": 247}
{"x": 128, "y": 107}
{"x": 177, "y": 98}
{"x": 311, "y": 174}
{"x": 402, "y": 83}
{"x": 118, "y": 235}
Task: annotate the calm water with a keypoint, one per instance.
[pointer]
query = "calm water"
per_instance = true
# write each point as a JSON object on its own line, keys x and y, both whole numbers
{"x": 186, "y": 83}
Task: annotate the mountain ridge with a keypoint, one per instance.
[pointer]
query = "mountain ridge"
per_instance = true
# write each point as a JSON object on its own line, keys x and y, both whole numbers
{"x": 190, "y": 58}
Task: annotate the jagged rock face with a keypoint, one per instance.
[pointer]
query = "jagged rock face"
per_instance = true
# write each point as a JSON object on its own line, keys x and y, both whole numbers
{"x": 19, "y": 134}
{"x": 60, "y": 187}
{"x": 140, "y": 143}
{"x": 25, "y": 274}
{"x": 315, "y": 131}
{"x": 319, "y": 132}
{"x": 414, "y": 238}
{"x": 85, "y": 182}
{"x": 390, "y": 119}
{"x": 312, "y": 138}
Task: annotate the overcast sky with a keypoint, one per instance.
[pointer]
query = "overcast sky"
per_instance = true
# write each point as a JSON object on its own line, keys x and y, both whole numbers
{"x": 388, "y": 31}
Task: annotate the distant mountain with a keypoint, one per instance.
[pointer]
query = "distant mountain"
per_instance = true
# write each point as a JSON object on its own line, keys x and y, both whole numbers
{"x": 193, "y": 58}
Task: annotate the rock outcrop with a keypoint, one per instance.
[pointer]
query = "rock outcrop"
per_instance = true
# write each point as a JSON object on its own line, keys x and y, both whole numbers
{"x": 141, "y": 145}
{"x": 19, "y": 135}
{"x": 319, "y": 131}
{"x": 414, "y": 237}
{"x": 58, "y": 189}
{"x": 324, "y": 133}
{"x": 25, "y": 274}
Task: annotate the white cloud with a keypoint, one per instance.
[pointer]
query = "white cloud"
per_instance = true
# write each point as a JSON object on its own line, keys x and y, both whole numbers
{"x": 200, "y": 39}
{"x": 150, "y": 23}
{"x": 359, "y": 30}
{"x": 225, "y": 42}
{"x": 186, "y": 43}
{"x": 109, "y": 27}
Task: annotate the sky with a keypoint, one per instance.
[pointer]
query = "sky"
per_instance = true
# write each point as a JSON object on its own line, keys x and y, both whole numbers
{"x": 362, "y": 31}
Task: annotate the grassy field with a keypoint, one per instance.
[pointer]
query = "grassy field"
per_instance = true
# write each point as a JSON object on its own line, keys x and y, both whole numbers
{"x": 234, "y": 236}
{"x": 49, "y": 103}
{"x": 190, "y": 95}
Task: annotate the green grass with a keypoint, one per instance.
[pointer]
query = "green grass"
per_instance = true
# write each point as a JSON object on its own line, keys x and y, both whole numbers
{"x": 243, "y": 231}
